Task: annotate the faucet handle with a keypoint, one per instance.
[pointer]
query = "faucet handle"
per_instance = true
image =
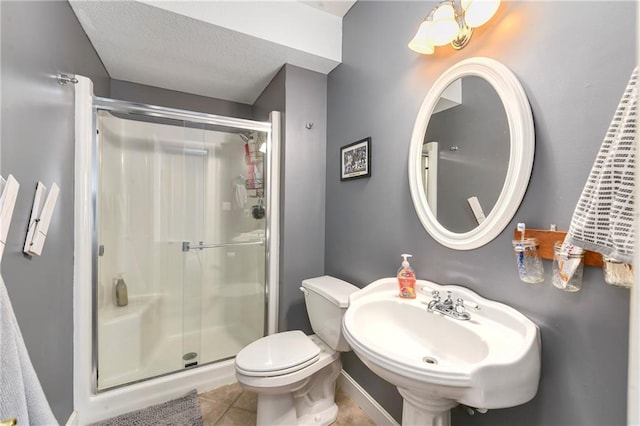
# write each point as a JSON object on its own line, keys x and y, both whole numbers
{"x": 448, "y": 300}
{"x": 465, "y": 304}
{"x": 435, "y": 294}
{"x": 472, "y": 305}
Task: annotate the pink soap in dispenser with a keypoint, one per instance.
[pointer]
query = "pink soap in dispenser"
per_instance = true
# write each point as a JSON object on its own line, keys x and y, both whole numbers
{"x": 407, "y": 279}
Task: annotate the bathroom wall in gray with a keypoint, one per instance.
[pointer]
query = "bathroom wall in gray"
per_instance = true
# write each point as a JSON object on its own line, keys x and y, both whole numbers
{"x": 141, "y": 93}
{"x": 574, "y": 81}
{"x": 40, "y": 40}
{"x": 303, "y": 191}
{"x": 272, "y": 97}
{"x": 302, "y": 96}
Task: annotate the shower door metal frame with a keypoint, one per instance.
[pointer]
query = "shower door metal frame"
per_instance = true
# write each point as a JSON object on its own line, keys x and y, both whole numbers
{"x": 271, "y": 240}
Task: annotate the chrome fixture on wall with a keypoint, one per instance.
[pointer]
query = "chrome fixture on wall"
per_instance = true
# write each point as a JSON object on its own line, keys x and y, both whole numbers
{"x": 66, "y": 79}
{"x": 452, "y": 22}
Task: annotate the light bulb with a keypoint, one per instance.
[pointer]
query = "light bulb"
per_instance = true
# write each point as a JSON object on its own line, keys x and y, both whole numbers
{"x": 420, "y": 43}
{"x": 444, "y": 27}
{"x": 478, "y": 12}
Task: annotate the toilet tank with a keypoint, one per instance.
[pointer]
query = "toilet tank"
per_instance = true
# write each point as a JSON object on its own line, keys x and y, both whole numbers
{"x": 327, "y": 299}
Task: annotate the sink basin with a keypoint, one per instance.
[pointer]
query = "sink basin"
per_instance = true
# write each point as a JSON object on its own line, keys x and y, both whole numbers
{"x": 491, "y": 360}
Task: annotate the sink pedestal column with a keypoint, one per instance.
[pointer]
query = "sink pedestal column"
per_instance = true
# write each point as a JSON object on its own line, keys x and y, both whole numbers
{"x": 425, "y": 411}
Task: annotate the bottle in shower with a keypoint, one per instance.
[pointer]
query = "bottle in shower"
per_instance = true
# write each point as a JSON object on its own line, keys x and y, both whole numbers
{"x": 122, "y": 296}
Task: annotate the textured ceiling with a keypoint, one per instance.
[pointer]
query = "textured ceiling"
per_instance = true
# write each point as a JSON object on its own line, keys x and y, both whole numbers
{"x": 142, "y": 43}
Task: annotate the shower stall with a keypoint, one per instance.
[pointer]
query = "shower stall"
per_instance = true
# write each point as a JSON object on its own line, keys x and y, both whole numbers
{"x": 176, "y": 249}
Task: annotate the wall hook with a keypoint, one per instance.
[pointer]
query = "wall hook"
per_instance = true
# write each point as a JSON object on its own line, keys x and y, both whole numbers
{"x": 308, "y": 125}
{"x": 40, "y": 219}
{"x": 64, "y": 79}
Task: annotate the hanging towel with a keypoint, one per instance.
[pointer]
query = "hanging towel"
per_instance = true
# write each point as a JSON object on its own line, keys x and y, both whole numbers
{"x": 21, "y": 395}
{"x": 241, "y": 195}
{"x": 603, "y": 220}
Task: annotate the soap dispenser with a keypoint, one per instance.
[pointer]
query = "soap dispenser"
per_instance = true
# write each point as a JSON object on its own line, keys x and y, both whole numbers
{"x": 121, "y": 293}
{"x": 406, "y": 279}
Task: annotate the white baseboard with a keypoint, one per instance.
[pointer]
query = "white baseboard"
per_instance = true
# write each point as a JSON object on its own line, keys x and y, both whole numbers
{"x": 73, "y": 419}
{"x": 370, "y": 406}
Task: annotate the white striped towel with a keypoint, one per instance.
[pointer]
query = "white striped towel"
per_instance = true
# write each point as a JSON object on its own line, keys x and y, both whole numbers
{"x": 603, "y": 220}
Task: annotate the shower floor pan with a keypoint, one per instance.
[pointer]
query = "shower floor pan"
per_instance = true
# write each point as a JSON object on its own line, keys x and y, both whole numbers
{"x": 217, "y": 343}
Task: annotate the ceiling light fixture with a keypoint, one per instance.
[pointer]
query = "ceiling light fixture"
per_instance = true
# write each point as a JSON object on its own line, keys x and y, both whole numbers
{"x": 452, "y": 22}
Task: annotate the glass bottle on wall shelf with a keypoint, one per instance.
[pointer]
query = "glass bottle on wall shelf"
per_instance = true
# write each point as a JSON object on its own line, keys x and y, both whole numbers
{"x": 617, "y": 273}
{"x": 530, "y": 268}
{"x": 567, "y": 267}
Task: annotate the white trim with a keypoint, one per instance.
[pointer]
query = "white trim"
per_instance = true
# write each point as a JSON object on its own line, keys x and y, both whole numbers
{"x": 273, "y": 200}
{"x": 522, "y": 147}
{"x": 73, "y": 419}
{"x": 82, "y": 247}
{"x": 370, "y": 406}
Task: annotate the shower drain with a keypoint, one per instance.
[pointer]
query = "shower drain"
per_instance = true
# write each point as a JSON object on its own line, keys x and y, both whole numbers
{"x": 429, "y": 360}
{"x": 189, "y": 356}
{"x": 189, "y": 359}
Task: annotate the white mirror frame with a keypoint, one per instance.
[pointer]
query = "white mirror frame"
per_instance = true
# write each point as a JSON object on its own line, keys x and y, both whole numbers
{"x": 522, "y": 146}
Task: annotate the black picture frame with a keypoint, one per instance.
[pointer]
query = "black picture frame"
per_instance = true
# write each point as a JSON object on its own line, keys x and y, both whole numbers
{"x": 355, "y": 160}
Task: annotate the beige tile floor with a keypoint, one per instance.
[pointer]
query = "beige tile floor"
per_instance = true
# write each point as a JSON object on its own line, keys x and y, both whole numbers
{"x": 230, "y": 405}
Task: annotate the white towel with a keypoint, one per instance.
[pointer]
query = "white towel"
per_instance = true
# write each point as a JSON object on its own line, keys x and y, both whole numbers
{"x": 603, "y": 220}
{"x": 241, "y": 195}
{"x": 21, "y": 395}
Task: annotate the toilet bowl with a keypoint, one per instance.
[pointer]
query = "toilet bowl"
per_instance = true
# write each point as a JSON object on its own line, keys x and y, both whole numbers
{"x": 294, "y": 374}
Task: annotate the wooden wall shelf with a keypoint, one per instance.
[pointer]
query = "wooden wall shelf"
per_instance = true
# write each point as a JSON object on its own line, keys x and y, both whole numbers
{"x": 547, "y": 238}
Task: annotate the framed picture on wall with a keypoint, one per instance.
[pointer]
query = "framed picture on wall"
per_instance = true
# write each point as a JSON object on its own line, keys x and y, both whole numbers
{"x": 355, "y": 160}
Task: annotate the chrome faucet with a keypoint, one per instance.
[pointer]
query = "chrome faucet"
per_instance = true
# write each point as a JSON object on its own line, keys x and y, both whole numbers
{"x": 457, "y": 311}
{"x": 435, "y": 294}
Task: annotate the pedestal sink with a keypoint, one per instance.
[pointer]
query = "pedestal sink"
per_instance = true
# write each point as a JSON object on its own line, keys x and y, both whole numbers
{"x": 491, "y": 360}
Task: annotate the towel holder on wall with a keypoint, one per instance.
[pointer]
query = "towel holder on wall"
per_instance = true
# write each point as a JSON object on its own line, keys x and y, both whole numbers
{"x": 40, "y": 219}
{"x": 547, "y": 238}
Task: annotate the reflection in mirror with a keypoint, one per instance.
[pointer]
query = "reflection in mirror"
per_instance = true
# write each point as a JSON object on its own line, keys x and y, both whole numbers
{"x": 465, "y": 154}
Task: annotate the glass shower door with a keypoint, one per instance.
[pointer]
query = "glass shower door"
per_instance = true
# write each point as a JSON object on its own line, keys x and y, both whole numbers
{"x": 165, "y": 192}
{"x": 230, "y": 258}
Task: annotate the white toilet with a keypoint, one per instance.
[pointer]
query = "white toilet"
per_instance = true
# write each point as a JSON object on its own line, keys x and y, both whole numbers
{"x": 294, "y": 374}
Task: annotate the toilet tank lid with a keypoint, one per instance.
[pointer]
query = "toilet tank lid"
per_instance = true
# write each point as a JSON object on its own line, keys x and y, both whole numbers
{"x": 334, "y": 289}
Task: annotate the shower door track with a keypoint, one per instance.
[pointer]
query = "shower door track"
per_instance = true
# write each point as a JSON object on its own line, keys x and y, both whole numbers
{"x": 178, "y": 114}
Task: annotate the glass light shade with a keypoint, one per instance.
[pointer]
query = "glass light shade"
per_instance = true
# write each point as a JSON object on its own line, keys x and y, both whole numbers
{"x": 478, "y": 12}
{"x": 444, "y": 27}
{"x": 420, "y": 43}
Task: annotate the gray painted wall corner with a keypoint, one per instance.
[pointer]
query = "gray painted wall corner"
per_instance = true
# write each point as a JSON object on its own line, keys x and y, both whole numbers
{"x": 303, "y": 191}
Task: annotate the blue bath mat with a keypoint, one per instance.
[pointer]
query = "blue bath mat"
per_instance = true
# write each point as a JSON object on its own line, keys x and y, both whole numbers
{"x": 184, "y": 411}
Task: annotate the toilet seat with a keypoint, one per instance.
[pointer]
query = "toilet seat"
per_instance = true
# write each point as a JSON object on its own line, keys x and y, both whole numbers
{"x": 277, "y": 354}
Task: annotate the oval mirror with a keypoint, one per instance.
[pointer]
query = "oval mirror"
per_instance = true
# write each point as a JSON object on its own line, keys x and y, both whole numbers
{"x": 471, "y": 153}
